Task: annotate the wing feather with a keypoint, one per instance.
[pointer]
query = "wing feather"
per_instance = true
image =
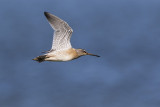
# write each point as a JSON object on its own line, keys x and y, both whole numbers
{"x": 62, "y": 32}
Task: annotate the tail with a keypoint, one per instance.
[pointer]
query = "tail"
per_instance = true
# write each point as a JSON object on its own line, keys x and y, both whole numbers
{"x": 40, "y": 58}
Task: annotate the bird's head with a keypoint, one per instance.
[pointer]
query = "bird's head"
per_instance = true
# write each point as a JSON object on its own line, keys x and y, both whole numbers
{"x": 82, "y": 52}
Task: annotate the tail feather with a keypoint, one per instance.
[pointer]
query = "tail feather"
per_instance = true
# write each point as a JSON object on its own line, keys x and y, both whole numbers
{"x": 40, "y": 58}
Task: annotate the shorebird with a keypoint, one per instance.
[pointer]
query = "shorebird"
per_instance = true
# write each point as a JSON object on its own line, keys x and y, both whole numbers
{"x": 61, "y": 47}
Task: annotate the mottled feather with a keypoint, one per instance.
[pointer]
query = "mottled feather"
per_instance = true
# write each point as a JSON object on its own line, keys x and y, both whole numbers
{"x": 62, "y": 32}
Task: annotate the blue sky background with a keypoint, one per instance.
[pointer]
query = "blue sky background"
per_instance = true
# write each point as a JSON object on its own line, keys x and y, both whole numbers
{"x": 125, "y": 33}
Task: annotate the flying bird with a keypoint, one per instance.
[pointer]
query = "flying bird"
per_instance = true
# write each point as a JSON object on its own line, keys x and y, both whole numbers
{"x": 61, "y": 47}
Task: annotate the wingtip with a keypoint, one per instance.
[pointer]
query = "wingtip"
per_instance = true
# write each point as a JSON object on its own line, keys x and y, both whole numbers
{"x": 45, "y": 13}
{"x": 48, "y": 15}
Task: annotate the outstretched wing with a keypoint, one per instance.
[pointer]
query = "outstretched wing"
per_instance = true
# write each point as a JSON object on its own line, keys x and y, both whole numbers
{"x": 62, "y": 32}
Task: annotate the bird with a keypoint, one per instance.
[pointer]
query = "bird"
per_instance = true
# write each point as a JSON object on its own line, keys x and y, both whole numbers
{"x": 61, "y": 49}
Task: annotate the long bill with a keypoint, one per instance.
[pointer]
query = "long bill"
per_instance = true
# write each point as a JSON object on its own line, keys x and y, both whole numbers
{"x": 93, "y": 54}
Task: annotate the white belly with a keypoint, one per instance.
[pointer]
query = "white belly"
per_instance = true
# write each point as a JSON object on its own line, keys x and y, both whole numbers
{"x": 59, "y": 56}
